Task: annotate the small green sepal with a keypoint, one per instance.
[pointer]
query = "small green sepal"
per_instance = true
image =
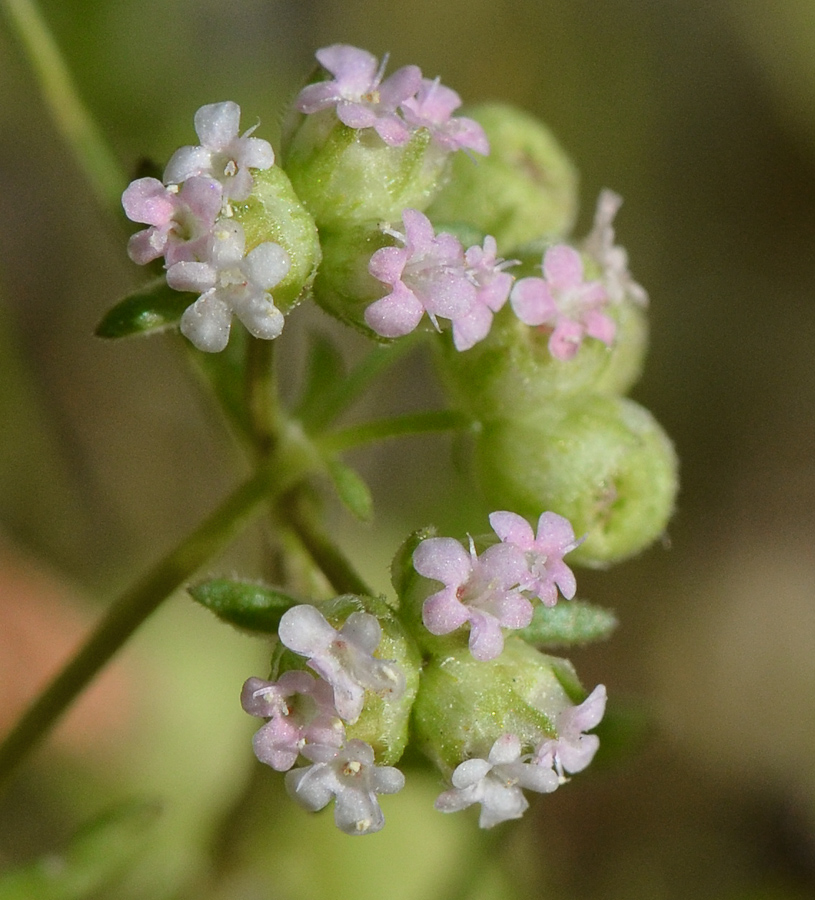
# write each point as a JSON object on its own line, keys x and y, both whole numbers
{"x": 245, "y": 604}
{"x": 154, "y": 307}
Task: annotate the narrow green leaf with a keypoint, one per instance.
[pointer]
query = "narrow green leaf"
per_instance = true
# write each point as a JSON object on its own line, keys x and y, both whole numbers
{"x": 254, "y": 607}
{"x": 325, "y": 370}
{"x": 351, "y": 489}
{"x": 570, "y": 622}
{"x": 152, "y": 308}
{"x": 96, "y": 858}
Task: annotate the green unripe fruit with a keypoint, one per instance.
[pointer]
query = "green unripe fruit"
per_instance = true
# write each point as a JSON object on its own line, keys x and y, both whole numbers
{"x": 344, "y": 288}
{"x": 274, "y": 212}
{"x": 602, "y": 462}
{"x": 465, "y": 705}
{"x": 348, "y": 176}
{"x": 383, "y": 722}
{"x": 512, "y": 372}
{"x": 525, "y": 188}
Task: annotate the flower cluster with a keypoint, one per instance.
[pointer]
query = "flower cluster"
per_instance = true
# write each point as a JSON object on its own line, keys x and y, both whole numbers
{"x": 204, "y": 249}
{"x": 395, "y": 107}
{"x": 433, "y": 274}
{"x": 307, "y": 716}
{"x": 492, "y": 591}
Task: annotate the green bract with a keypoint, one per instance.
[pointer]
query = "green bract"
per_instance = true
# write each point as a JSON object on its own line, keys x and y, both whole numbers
{"x": 525, "y": 188}
{"x": 274, "y": 212}
{"x": 602, "y": 462}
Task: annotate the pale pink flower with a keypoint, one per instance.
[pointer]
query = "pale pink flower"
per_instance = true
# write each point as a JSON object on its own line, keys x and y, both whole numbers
{"x": 181, "y": 219}
{"x": 432, "y": 108}
{"x": 492, "y": 284}
{"x": 544, "y": 552}
{"x": 301, "y": 712}
{"x": 223, "y": 154}
{"x": 361, "y": 98}
{"x": 573, "y": 750}
{"x": 482, "y": 590}
{"x": 563, "y": 301}
{"x": 427, "y": 275}
{"x": 496, "y": 783}
{"x": 343, "y": 658}
{"x": 350, "y": 776}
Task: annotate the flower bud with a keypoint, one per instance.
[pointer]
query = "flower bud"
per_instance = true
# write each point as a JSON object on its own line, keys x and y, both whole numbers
{"x": 525, "y": 188}
{"x": 602, "y": 462}
{"x": 513, "y": 373}
{"x": 273, "y": 212}
{"x": 385, "y": 709}
{"x": 348, "y": 176}
{"x": 465, "y": 705}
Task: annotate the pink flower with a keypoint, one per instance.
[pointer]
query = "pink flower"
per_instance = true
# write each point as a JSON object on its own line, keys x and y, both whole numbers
{"x": 181, "y": 220}
{"x": 612, "y": 259}
{"x": 496, "y": 782}
{"x": 544, "y": 552}
{"x": 351, "y": 777}
{"x": 481, "y": 590}
{"x": 223, "y": 154}
{"x": 230, "y": 281}
{"x": 343, "y": 658}
{"x": 563, "y": 301}
{"x": 361, "y": 98}
{"x": 432, "y": 108}
{"x": 427, "y": 275}
{"x": 573, "y": 750}
{"x": 301, "y": 712}
{"x": 492, "y": 285}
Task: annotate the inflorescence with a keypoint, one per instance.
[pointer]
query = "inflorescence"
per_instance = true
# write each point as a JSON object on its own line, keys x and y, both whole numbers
{"x": 370, "y": 210}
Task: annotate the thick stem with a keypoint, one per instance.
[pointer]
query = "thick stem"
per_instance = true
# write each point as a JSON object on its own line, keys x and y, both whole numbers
{"x": 128, "y": 612}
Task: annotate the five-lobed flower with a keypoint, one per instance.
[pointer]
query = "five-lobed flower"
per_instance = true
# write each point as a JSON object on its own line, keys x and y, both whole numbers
{"x": 223, "y": 154}
{"x": 344, "y": 658}
{"x": 565, "y": 302}
{"x": 352, "y": 778}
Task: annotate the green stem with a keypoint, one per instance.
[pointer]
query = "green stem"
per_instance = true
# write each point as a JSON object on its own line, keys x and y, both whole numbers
{"x": 261, "y": 395}
{"x": 396, "y": 426}
{"x": 331, "y": 561}
{"x": 369, "y": 368}
{"x": 62, "y": 99}
{"x": 128, "y": 613}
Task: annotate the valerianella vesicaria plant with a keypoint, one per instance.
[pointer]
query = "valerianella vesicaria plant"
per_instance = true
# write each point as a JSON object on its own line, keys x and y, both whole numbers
{"x": 411, "y": 224}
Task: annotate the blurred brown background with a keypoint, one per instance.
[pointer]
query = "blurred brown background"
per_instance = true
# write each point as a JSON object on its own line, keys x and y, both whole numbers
{"x": 701, "y": 115}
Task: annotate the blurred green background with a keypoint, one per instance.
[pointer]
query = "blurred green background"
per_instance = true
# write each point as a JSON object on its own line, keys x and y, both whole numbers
{"x": 702, "y": 116}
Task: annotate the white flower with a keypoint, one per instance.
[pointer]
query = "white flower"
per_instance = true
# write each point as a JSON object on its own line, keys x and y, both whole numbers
{"x": 231, "y": 282}
{"x": 496, "y": 783}
{"x": 350, "y": 776}
{"x": 223, "y": 155}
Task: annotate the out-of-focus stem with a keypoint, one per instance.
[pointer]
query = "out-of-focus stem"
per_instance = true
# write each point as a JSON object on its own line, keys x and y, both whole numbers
{"x": 130, "y": 610}
{"x": 63, "y": 101}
